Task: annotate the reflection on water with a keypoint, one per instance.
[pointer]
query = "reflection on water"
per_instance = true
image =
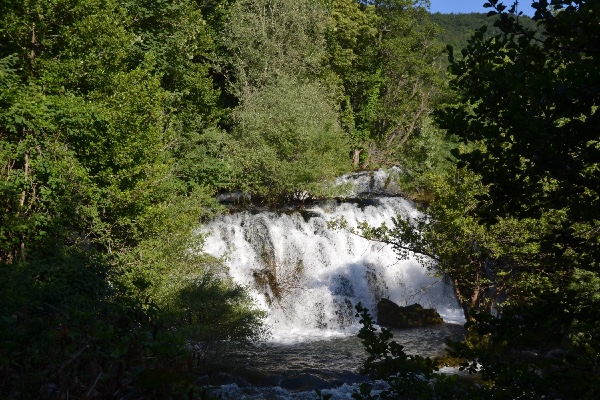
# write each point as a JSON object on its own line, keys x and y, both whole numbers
{"x": 284, "y": 371}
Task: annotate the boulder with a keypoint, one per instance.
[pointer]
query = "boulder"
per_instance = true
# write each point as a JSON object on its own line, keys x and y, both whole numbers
{"x": 392, "y": 315}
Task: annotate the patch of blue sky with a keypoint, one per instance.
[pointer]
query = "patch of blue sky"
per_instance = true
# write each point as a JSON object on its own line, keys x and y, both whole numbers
{"x": 468, "y": 6}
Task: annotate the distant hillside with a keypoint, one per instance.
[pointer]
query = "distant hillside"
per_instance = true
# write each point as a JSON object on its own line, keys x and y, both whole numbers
{"x": 458, "y": 28}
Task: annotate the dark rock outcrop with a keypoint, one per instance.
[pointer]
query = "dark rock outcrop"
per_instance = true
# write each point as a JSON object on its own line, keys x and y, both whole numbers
{"x": 392, "y": 315}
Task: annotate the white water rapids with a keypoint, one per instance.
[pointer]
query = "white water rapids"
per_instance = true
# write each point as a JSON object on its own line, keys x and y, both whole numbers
{"x": 309, "y": 278}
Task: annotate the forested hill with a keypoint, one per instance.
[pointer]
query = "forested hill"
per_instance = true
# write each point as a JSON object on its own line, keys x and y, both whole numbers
{"x": 458, "y": 28}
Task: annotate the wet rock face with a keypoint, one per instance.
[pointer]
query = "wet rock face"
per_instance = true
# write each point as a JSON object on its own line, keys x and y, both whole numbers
{"x": 392, "y": 315}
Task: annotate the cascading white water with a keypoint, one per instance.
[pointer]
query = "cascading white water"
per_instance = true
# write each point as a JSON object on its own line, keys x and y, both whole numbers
{"x": 309, "y": 278}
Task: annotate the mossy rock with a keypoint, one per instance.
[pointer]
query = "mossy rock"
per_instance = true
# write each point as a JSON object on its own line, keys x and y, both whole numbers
{"x": 390, "y": 314}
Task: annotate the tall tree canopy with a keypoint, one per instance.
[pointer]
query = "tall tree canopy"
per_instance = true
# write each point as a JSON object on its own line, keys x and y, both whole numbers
{"x": 528, "y": 106}
{"x": 533, "y": 104}
{"x": 286, "y": 136}
{"x": 522, "y": 216}
{"x": 98, "y": 120}
{"x": 384, "y": 55}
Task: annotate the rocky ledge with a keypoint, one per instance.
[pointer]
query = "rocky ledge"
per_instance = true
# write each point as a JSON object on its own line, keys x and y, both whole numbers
{"x": 392, "y": 315}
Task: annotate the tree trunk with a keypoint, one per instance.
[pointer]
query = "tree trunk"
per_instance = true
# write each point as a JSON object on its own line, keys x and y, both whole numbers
{"x": 460, "y": 298}
{"x": 32, "y": 52}
{"x": 22, "y": 205}
{"x": 356, "y": 158}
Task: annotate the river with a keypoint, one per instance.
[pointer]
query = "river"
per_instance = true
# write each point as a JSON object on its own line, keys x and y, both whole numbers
{"x": 309, "y": 278}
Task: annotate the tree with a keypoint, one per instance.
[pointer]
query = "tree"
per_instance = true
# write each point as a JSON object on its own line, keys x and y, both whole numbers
{"x": 98, "y": 210}
{"x": 523, "y": 216}
{"x": 532, "y": 104}
{"x": 528, "y": 109}
{"x": 409, "y": 66}
{"x": 272, "y": 39}
{"x": 384, "y": 55}
{"x": 489, "y": 267}
{"x": 351, "y": 62}
{"x": 287, "y": 142}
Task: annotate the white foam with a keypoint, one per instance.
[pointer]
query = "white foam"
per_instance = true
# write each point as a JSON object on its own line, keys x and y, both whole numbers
{"x": 343, "y": 392}
{"x": 323, "y": 274}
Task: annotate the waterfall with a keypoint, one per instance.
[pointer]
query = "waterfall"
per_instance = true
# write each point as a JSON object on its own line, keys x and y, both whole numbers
{"x": 309, "y": 278}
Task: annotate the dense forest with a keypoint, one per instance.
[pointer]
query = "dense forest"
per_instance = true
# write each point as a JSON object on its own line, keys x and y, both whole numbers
{"x": 120, "y": 122}
{"x": 457, "y": 29}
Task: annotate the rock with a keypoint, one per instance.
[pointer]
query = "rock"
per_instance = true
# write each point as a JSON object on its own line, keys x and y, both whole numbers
{"x": 369, "y": 183}
{"x": 392, "y": 315}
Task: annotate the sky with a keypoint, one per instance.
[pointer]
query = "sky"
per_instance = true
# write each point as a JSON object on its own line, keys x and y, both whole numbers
{"x": 467, "y": 6}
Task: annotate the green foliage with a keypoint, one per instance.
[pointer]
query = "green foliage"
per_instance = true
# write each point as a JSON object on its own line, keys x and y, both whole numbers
{"x": 409, "y": 69}
{"x": 376, "y": 61}
{"x": 37, "y": 172}
{"x": 515, "y": 225}
{"x": 286, "y": 137}
{"x": 183, "y": 48}
{"x": 190, "y": 288}
{"x": 181, "y": 42}
{"x": 489, "y": 267}
{"x": 426, "y": 154}
{"x": 271, "y": 40}
{"x": 351, "y": 55}
{"x": 384, "y": 55}
{"x": 532, "y": 103}
{"x": 288, "y": 141}
{"x": 99, "y": 125}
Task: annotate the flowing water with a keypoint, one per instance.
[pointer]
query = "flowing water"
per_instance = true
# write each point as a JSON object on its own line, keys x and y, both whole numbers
{"x": 309, "y": 278}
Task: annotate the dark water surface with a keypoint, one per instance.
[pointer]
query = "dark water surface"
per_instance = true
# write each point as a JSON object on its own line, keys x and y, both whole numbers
{"x": 295, "y": 370}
